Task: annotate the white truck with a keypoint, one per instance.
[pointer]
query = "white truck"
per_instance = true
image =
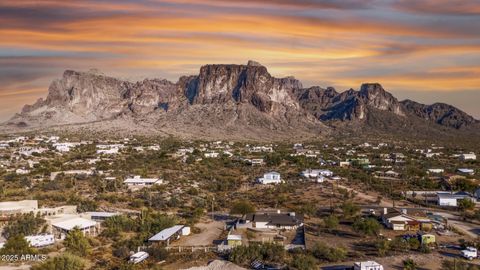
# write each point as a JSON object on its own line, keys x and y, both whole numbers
{"x": 469, "y": 253}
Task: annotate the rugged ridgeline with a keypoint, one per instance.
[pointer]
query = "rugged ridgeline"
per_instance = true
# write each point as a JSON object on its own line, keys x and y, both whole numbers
{"x": 231, "y": 101}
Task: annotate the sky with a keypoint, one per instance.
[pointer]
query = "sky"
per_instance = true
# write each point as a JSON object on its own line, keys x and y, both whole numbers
{"x": 425, "y": 50}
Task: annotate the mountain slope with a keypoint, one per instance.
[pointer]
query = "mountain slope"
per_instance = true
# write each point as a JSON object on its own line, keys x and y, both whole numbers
{"x": 241, "y": 101}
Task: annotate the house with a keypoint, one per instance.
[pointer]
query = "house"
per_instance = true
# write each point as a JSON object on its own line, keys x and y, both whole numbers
{"x": 40, "y": 240}
{"x": 137, "y": 182}
{"x": 64, "y": 147}
{"x": 435, "y": 171}
{"x": 392, "y": 174}
{"x": 62, "y": 226}
{"x": 445, "y": 198}
{"x": 274, "y": 220}
{"x": 170, "y": 234}
{"x": 211, "y": 154}
{"x": 360, "y": 162}
{"x": 22, "y": 171}
{"x": 316, "y": 173}
{"x": 100, "y": 216}
{"x": 399, "y": 221}
{"x": 465, "y": 157}
{"x": 270, "y": 178}
{"x": 110, "y": 151}
{"x": 17, "y": 207}
{"x": 367, "y": 265}
{"x": 431, "y": 154}
{"x": 256, "y": 161}
{"x": 11, "y": 208}
{"x": 29, "y": 151}
{"x": 53, "y": 175}
{"x": 345, "y": 164}
{"x": 466, "y": 171}
{"x": 234, "y": 240}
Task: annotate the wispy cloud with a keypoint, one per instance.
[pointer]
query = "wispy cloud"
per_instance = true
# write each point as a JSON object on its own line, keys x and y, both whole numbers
{"x": 403, "y": 44}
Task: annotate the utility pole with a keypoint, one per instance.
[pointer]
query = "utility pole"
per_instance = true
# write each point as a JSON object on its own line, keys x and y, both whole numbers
{"x": 213, "y": 214}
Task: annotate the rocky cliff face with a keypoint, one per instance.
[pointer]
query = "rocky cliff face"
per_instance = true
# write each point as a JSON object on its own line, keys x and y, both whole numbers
{"x": 236, "y": 97}
{"x": 440, "y": 113}
{"x": 327, "y": 104}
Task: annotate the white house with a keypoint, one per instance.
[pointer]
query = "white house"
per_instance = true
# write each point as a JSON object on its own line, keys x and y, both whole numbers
{"x": 446, "y": 198}
{"x": 256, "y": 161}
{"x": 4, "y": 145}
{"x": 316, "y": 173}
{"x": 17, "y": 207}
{"x": 64, "y": 225}
{"x": 100, "y": 216}
{"x": 64, "y": 147}
{"x": 138, "y": 181}
{"x": 274, "y": 220}
{"x": 397, "y": 221}
{"x": 367, "y": 265}
{"x": 110, "y": 151}
{"x": 435, "y": 170}
{"x": 22, "y": 171}
{"x": 211, "y": 154}
{"x": 466, "y": 171}
{"x": 270, "y": 178}
{"x": 470, "y": 156}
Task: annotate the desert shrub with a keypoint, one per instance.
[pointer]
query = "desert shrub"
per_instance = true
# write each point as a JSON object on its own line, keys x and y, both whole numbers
{"x": 331, "y": 254}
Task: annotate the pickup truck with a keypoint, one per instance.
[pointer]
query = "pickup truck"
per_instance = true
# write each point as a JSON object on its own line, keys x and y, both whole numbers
{"x": 469, "y": 253}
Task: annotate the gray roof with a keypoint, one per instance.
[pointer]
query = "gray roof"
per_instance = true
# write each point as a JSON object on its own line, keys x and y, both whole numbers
{"x": 282, "y": 219}
{"x": 165, "y": 234}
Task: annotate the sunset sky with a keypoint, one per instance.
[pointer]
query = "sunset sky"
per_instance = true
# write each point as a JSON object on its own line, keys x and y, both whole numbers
{"x": 426, "y": 50}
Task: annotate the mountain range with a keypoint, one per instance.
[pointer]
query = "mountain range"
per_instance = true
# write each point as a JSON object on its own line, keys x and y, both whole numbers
{"x": 233, "y": 101}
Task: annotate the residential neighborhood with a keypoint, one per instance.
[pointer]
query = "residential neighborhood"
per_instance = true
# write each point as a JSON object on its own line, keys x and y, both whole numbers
{"x": 157, "y": 202}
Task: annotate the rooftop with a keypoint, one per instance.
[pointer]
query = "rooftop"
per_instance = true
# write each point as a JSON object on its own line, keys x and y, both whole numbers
{"x": 166, "y": 233}
{"x": 71, "y": 223}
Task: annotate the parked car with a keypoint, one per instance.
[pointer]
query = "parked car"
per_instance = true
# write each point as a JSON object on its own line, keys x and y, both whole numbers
{"x": 469, "y": 253}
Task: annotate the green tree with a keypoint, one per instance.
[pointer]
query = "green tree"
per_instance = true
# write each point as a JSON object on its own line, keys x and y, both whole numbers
{"x": 157, "y": 252}
{"x": 26, "y": 224}
{"x": 366, "y": 226}
{"x": 17, "y": 245}
{"x": 331, "y": 222}
{"x": 77, "y": 243}
{"x": 458, "y": 265}
{"x": 409, "y": 264}
{"x": 414, "y": 243}
{"x": 400, "y": 244}
{"x": 383, "y": 246}
{"x": 267, "y": 252}
{"x": 304, "y": 262}
{"x": 242, "y": 208}
{"x": 64, "y": 261}
{"x": 331, "y": 254}
{"x": 466, "y": 204}
{"x": 350, "y": 209}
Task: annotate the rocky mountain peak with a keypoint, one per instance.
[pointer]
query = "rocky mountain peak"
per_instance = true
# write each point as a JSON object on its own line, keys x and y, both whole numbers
{"x": 228, "y": 94}
{"x": 373, "y": 95}
{"x": 440, "y": 113}
{"x": 254, "y": 63}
